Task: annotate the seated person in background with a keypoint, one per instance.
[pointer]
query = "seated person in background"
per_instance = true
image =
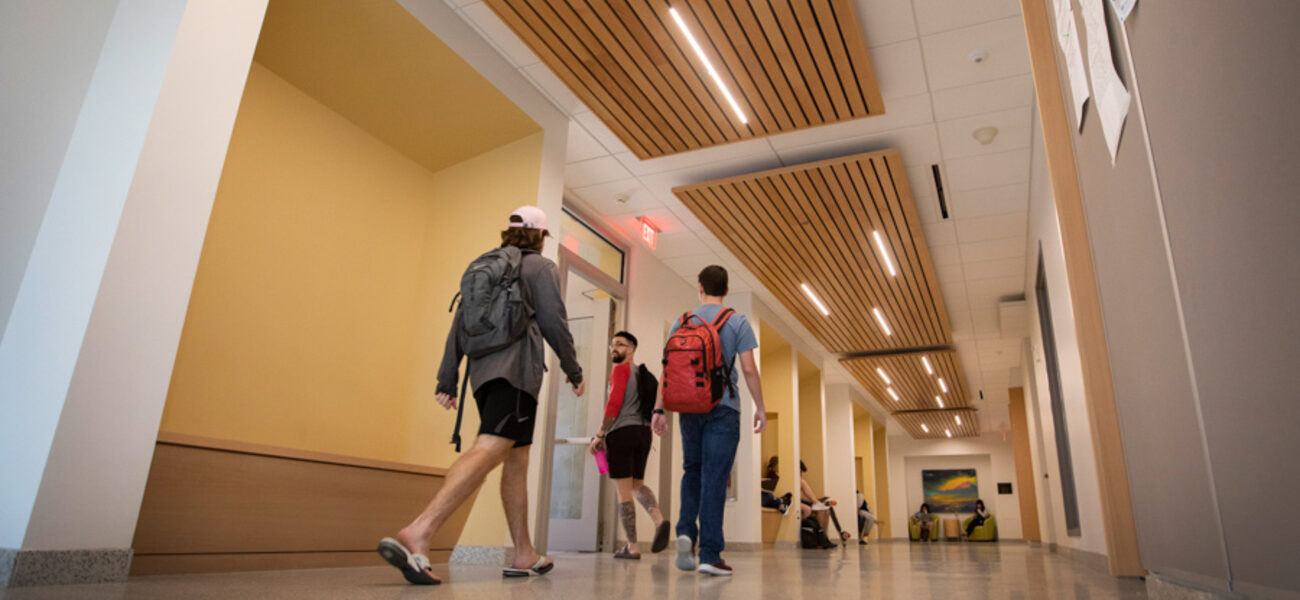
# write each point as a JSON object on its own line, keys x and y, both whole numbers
{"x": 866, "y": 520}
{"x": 809, "y": 500}
{"x": 980, "y": 515}
{"x": 768, "y": 494}
{"x": 924, "y": 520}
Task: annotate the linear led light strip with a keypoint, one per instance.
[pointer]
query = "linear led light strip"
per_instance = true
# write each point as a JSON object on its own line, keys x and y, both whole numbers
{"x": 892, "y": 393}
{"x": 924, "y": 428}
{"x": 943, "y": 385}
{"x": 882, "y": 375}
{"x": 815, "y": 300}
{"x": 939, "y": 400}
{"x": 880, "y": 243}
{"x": 958, "y": 419}
{"x": 928, "y": 369}
{"x": 881, "y": 319}
{"x": 707, "y": 65}
{"x": 947, "y": 432}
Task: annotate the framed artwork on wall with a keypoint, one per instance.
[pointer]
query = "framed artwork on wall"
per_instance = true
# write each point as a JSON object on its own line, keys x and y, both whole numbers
{"x": 950, "y": 490}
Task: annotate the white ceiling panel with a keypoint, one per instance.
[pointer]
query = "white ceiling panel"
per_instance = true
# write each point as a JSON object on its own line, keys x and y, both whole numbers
{"x": 597, "y": 170}
{"x": 662, "y": 184}
{"x": 899, "y": 113}
{"x": 545, "y": 80}
{"x": 581, "y": 145}
{"x": 987, "y": 293}
{"x": 918, "y": 145}
{"x": 993, "y": 269}
{"x": 886, "y": 21}
{"x": 922, "y": 179}
{"x": 947, "y": 55}
{"x": 943, "y": 256}
{"x": 663, "y": 219}
{"x": 899, "y": 70}
{"x": 677, "y": 245}
{"x": 992, "y": 228}
{"x": 491, "y": 26}
{"x": 1010, "y": 247}
{"x": 971, "y": 204}
{"x": 991, "y": 170}
{"x": 933, "y": 16}
{"x": 754, "y": 149}
{"x": 603, "y": 197}
{"x": 598, "y": 130}
{"x": 943, "y": 233}
{"x": 688, "y": 218}
{"x": 957, "y": 137}
{"x": 1013, "y": 92}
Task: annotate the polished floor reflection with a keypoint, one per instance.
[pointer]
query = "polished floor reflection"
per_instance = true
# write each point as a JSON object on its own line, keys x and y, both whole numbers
{"x": 886, "y": 570}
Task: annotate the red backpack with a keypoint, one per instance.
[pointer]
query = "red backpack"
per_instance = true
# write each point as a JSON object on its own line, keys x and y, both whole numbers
{"x": 694, "y": 375}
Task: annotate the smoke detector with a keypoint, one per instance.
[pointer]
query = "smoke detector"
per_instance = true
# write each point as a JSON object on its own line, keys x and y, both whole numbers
{"x": 978, "y": 55}
{"x": 985, "y": 135}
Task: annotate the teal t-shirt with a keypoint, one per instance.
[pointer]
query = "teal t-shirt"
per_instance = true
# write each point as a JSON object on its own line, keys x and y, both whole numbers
{"x": 737, "y": 337}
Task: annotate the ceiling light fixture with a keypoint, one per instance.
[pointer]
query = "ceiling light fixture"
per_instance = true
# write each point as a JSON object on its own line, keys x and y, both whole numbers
{"x": 881, "y": 319}
{"x": 943, "y": 385}
{"x": 884, "y": 254}
{"x": 939, "y": 400}
{"x": 815, "y": 300}
{"x": 892, "y": 393}
{"x": 985, "y": 135}
{"x": 707, "y": 65}
{"x": 882, "y": 375}
{"x": 928, "y": 369}
{"x": 958, "y": 419}
{"x": 947, "y": 432}
{"x": 924, "y": 428}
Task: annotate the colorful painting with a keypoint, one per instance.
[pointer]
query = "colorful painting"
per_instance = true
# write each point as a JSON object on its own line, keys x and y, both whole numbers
{"x": 950, "y": 490}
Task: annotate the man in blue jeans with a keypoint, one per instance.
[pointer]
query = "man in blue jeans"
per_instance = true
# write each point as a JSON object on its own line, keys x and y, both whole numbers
{"x": 709, "y": 440}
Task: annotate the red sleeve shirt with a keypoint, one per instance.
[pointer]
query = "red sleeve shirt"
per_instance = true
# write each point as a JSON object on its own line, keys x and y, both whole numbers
{"x": 617, "y": 389}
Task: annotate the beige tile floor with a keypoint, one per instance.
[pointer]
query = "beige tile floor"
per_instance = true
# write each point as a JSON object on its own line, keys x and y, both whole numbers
{"x": 885, "y": 570}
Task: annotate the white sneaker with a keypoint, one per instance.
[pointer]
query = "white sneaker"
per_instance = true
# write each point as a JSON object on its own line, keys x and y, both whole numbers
{"x": 718, "y": 569}
{"x": 685, "y": 553}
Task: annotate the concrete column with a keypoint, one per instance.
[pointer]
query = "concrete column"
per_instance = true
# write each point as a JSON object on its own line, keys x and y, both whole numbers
{"x": 841, "y": 480}
{"x": 87, "y": 355}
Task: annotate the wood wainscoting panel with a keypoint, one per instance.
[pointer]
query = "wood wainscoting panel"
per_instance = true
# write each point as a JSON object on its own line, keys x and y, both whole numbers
{"x": 212, "y": 508}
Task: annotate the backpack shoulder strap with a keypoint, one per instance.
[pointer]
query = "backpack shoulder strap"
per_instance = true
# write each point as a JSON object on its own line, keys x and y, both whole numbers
{"x": 723, "y": 316}
{"x": 686, "y": 318}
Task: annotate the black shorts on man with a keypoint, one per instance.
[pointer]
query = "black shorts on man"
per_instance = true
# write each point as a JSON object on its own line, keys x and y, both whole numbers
{"x": 626, "y": 450}
{"x": 506, "y": 411}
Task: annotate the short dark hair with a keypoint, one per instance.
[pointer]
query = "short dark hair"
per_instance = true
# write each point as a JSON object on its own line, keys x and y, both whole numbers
{"x": 925, "y": 507}
{"x": 714, "y": 280}
{"x": 627, "y": 336}
{"x": 524, "y": 239}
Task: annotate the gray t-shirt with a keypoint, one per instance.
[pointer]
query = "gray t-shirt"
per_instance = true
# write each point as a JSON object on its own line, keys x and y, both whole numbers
{"x": 630, "y": 413}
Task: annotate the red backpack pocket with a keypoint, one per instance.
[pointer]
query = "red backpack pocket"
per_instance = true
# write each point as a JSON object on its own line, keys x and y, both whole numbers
{"x": 694, "y": 376}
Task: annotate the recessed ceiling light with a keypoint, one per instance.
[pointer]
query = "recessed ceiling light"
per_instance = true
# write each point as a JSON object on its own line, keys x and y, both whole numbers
{"x": 924, "y": 428}
{"x": 882, "y": 375}
{"x": 892, "y": 393}
{"x": 815, "y": 300}
{"x": 928, "y": 369}
{"x": 985, "y": 135}
{"x": 939, "y": 400}
{"x": 958, "y": 419}
{"x": 884, "y": 254}
{"x": 947, "y": 432}
{"x": 881, "y": 319}
{"x": 943, "y": 385}
{"x": 707, "y": 65}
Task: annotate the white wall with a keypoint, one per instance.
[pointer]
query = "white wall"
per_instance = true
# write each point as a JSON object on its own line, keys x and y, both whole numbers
{"x": 841, "y": 481}
{"x": 1044, "y": 232}
{"x": 992, "y": 458}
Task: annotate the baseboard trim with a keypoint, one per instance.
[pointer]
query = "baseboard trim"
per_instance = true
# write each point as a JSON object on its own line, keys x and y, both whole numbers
{"x": 1175, "y": 586}
{"x": 1085, "y": 557}
{"x": 61, "y": 567}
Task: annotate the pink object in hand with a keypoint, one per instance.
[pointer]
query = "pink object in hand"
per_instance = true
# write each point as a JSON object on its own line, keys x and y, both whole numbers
{"x": 602, "y": 464}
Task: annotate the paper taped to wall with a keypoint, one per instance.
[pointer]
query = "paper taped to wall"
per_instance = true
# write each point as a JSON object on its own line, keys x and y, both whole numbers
{"x": 1068, "y": 38}
{"x": 1110, "y": 98}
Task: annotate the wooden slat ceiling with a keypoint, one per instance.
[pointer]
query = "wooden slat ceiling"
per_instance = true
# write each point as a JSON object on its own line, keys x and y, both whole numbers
{"x": 788, "y": 65}
{"x": 940, "y": 422}
{"x": 917, "y": 391}
{"x": 814, "y": 224}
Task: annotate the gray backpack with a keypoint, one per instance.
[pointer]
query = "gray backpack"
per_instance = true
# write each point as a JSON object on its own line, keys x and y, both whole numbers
{"x": 493, "y": 312}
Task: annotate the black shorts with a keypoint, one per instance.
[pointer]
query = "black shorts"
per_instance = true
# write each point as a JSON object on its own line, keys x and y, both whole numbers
{"x": 627, "y": 449}
{"x": 506, "y": 411}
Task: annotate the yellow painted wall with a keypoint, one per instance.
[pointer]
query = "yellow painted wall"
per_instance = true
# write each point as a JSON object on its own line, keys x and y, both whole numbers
{"x": 319, "y": 308}
{"x": 882, "y": 483}
{"x": 811, "y": 425}
{"x": 778, "y": 374}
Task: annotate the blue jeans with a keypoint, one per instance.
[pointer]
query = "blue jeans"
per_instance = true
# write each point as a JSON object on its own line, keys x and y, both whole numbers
{"x": 708, "y": 450}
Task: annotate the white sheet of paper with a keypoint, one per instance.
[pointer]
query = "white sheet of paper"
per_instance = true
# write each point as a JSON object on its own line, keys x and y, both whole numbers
{"x": 1122, "y": 8}
{"x": 1068, "y": 38}
{"x": 1110, "y": 99}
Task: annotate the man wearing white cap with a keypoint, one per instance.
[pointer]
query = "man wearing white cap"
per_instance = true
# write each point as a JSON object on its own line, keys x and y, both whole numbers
{"x": 506, "y": 377}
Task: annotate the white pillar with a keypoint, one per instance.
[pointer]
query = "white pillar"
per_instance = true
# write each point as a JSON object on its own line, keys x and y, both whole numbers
{"x": 87, "y": 356}
{"x": 841, "y": 481}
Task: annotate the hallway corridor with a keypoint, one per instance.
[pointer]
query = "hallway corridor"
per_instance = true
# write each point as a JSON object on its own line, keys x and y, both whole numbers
{"x": 882, "y": 570}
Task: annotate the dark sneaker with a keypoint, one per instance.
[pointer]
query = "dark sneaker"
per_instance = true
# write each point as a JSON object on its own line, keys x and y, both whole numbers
{"x": 717, "y": 569}
{"x": 685, "y": 553}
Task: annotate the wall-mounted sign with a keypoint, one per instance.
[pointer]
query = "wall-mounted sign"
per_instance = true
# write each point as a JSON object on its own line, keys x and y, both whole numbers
{"x": 1004, "y": 488}
{"x": 649, "y": 233}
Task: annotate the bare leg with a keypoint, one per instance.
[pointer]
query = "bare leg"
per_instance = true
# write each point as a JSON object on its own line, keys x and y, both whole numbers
{"x": 514, "y": 499}
{"x": 464, "y": 476}
{"x": 647, "y": 500}
{"x": 627, "y": 513}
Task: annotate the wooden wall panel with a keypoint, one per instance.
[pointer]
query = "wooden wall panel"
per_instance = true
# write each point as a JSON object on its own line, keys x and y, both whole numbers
{"x": 213, "y": 506}
{"x": 787, "y": 65}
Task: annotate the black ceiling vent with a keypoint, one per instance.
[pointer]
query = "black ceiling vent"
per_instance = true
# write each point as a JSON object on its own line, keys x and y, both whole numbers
{"x": 938, "y": 188}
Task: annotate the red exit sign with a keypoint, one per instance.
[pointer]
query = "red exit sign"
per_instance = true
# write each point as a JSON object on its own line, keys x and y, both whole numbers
{"x": 649, "y": 233}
